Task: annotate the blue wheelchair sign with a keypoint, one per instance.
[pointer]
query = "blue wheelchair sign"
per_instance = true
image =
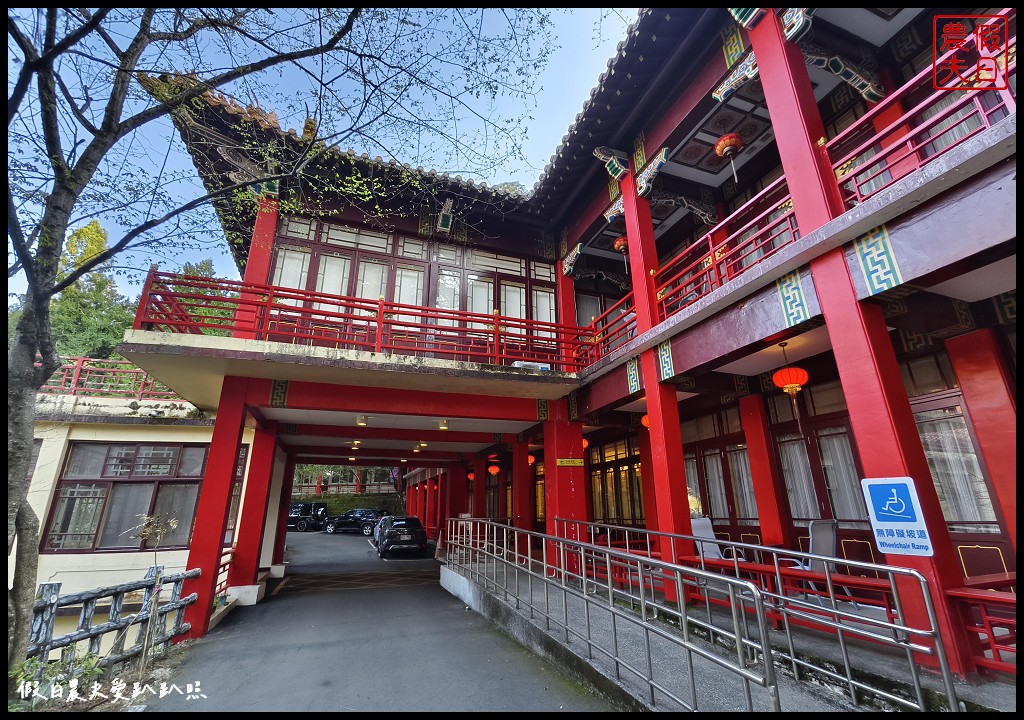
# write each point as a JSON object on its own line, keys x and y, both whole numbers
{"x": 896, "y": 520}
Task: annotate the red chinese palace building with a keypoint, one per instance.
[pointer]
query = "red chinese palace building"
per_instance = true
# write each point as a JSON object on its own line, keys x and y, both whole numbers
{"x": 745, "y": 192}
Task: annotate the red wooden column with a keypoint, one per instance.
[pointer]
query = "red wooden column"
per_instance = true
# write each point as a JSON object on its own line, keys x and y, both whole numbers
{"x": 214, "y": 500}
{"x": 880, "y": 415}
{"x": 455, "y": 491}
{"x": 667, "y": 468}
{"x": 283, "y": 507}
{"x": 430, "y": 506}
{"x": 565, "y": 489}
{"x": 565, "y": 296}
{"x": 257, "y": 262}
{"x": 992, "y": 405}
{"x": 522, "y": 494}
{"x": 647, "y": 479}
{"x": 479, "y": 488}
{"x": 249, "y": 537}
{"x": 769, "y": 488}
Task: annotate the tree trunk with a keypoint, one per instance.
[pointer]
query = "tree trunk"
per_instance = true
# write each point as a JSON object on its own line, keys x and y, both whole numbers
{"x": 23, "y": 379}
{"x": 22, "y": 594}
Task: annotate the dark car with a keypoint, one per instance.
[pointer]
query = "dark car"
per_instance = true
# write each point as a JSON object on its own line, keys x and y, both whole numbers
{"x": 303, "y": 516}
{"x": 401, "y": 532}
{"x": 355, "y": 520}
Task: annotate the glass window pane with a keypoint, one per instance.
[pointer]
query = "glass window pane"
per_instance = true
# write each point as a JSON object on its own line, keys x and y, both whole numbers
{"x": 156, "y": 460}
{"x": 447, "y": 293}
{"x": 177, "y": 502}
{"x": 716, "y": 485}
{"x": 192, "y": 460}
{"x": 742, "y": 486}
{"x": 291, "y": 269}
{"x": 76, "y": 516}
{"x": 409, "y": 290}
{"x": 544, "y": 308}
{"x": 120, "y": 460}
{"x": 693, "y": 486}
{"x": 372, "y": 280}
{"x": 826, "y": 398}
{"x": 332, "y": 278}
{"x": 841, "y": 475}
{"x": 480, "y": 291}
{"x": 588, "y": 307}
{"x": 126, "y": 513}
{"x": 513, "y": 300}
{"x": 86, "y": 461}
{"x": 959, "y": 482}
{"x": 796, "y": 473}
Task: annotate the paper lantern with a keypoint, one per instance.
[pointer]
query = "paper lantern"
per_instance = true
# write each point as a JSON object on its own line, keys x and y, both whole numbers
{"x": 729, "y": 146}
{"x": 493, "y": 469}
{"x": 791, "y": 379}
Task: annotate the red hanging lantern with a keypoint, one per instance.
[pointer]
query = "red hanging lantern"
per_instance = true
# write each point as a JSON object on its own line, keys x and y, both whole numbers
{"x": 646, "y": 421}
{"x": 621, "y": 245}
{"x": 493, "y": 469}
{"x": 586, "y": 443}
{"x": 729, "y": 146}
{"x": 791, "y": 379}
{"x": 531, "y": 459}
{"x": 471, "y": 476}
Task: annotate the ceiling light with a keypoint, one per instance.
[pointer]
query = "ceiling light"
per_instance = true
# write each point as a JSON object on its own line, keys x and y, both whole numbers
{"x": 351, "y": 459}
{"x": 361, "y": 421}
{"x": 444, "y": 424}
{"x": 422, "y": 444}
{"x": 356, "y": 442}
{"x": 403, "y": 460}
{"x": 416, "y": 449}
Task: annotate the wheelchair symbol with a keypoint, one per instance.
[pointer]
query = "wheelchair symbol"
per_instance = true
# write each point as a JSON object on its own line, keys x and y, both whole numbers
{"x": 895, "y": 507}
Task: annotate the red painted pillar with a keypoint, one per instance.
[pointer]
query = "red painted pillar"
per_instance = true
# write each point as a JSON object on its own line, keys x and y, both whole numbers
{"x": 564, "y": 484}
{"x": 643, "y": 437}
{"x": 791, "y": 104}
{"x": 283, "y": 507}
{"x": 522, "y": 494}
{"x": 565, "y": 487}
{"x": 456, "y": 490}
{"x": 880, "y": 415}
{"x": 249, "y": 537}
{"x": 565, "y": 296}
{"x": 430, "y": 507}
{"x": 421, "y": 499}
{"x": 257, "y": 264}
{"x": 769, "y": 489}
{"x": 479, "y": 488}
{"x": 671, "y": 502}
{"x": 214, "y": 500}
{"x": 991, "y": 402}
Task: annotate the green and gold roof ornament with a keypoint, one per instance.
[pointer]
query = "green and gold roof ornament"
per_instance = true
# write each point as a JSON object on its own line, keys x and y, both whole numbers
{"x": 616, "y": 162}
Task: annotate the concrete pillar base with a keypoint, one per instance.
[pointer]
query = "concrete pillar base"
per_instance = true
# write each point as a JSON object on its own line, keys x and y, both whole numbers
{"x": 247, "y": 594}
{"x": 277, "y": 571}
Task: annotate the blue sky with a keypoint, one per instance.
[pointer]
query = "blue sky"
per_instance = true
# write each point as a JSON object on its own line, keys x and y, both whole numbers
{"x": 587, "y": 43}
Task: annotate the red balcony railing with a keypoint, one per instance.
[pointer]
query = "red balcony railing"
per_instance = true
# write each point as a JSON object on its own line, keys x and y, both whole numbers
{"x": 185, "y": 304}
{"x": 757, "y": 230}
{"x": 104, "y": 378}
{"x": 917, "y": 123}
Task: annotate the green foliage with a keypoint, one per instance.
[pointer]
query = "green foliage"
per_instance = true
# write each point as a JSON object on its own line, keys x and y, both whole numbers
{"x": 88, "y": 317}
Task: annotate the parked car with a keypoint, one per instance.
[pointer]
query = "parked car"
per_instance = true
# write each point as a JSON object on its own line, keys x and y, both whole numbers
{"x": 303, "y": 516}
{"x": 355, "y": 520}
{"x": 400, "y": 532}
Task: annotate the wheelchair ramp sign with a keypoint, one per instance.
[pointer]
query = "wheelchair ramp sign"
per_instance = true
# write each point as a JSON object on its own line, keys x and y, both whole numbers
{"x": 896, "y": 518}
